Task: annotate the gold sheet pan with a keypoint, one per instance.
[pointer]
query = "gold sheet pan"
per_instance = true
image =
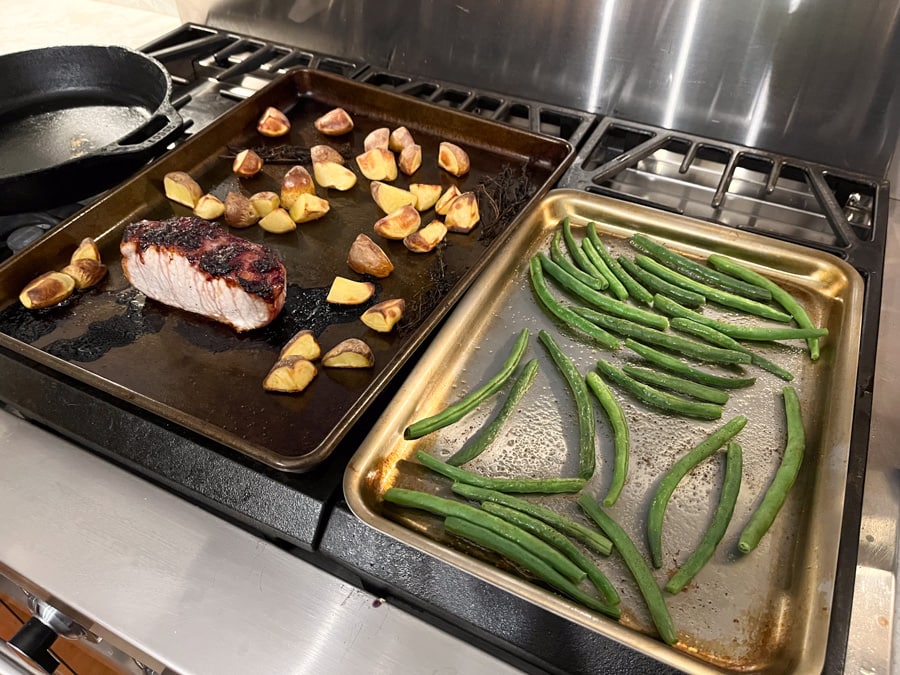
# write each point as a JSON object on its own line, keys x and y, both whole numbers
{"x": 767, "y": 611}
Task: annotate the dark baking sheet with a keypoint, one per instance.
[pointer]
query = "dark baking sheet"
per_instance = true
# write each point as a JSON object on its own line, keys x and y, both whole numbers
{"x": 205, "y": 376}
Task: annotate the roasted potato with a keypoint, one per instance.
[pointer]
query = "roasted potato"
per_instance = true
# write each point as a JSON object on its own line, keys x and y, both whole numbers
{"x": 335, "y": 123}
{"x": 85, "y": 272}
{"x": 399, "y": 224}
{"x": 377, "y": 164}
{"x": 385, "y": 315}
{"x": 278, "y": 221}
{"x": 47, "y": 290}
{"x": 209, "y": 207}
{"x": 345, "y": 291}
{"x": 334, "y": 175}
{"x": 427, "y": 238}
{"x": 443, "y": 204}
{"x": 289, "y": 375}
{"x": 247, "y": 164}
{"x": 367, "y": 257}
{"x": 303, "y": 343}
{"x": 296, "y": 182}
{"x": 351, "y": 353}
{"x": 410, "y": 159}
{"x": 273, "y": 123}
{"x": 239, "y": 212}
{"x": 426, "y": 195}
{"x": 325, "y": 153}
{"x": 86, "y": 249}
{"x": 265, "y": 202}
{"x": 453, "y": 159}
{"x": 462, "y": 214}
{"x": 308, "y": 208}
{"x": 390, "y": 198}
{"x": 182, "y": 189}
{"x": 380, "y": 138}
{"x": 400, "y": 138}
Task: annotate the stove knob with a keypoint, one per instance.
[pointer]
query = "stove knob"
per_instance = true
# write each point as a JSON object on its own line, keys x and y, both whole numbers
{"x": 33, "y": 641}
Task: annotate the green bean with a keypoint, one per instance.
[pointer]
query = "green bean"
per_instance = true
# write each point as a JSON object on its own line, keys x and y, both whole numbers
{"x": 591, "y": 538}
{"x": 731, "y": 486}
{"x": 660, "y": 399}
{"x": 521, "y": 485}
{"x": 638, "y": 567}
{"x": 661, "y": 286}
{"x": 559, "y": 541}
{"x": 777, "y": 493}
{"x": 486, "y": 436}
{"x": 557, "y": 256}
{"x": 621, "y": 435}
{"x": 599, "y": 300}
{"x": 586, "y": 433}
{"x": 634, "y": 289}
{"x": 697, "y": 271}
{"x": 712, "y": 294}
{"x": 755, "y": 333}
{"x": 673, "y": 477}
{"x": 563, "y": 313}
{"x": 781, "y": 296}
{"x": 676, "y": 384}
{"x": 449, "y": 507}
{"x": 472, "y": 400}
{"x": 577, "y": 254}
{"x": 673, "y": 365}
{"x": 615, "y": 286}
{"x": 718, "y": 339}
{"x": 523, "y": 557}
{"x": 691, "y": 348}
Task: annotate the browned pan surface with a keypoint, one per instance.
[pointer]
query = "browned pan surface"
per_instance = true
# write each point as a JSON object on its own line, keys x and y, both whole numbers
{"x": 205, "y": 376}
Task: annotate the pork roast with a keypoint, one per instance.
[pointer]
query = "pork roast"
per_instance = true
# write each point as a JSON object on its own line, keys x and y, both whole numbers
{"x": 197, "y": 266}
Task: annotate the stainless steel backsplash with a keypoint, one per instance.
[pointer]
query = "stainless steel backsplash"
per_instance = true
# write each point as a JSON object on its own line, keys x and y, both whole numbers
{"x": 816, "y": 79}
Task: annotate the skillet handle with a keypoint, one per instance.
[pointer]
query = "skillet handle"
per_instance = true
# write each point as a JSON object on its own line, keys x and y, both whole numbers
{"x": 165, "y": 124}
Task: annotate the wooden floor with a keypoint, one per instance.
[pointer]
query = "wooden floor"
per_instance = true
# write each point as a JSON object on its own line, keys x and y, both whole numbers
{"x": 75, "y": 657}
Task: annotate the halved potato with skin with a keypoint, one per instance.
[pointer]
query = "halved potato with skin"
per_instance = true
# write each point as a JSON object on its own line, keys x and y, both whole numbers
{"x": 86, "y": 249}
{"x": 399, "y": 139}
{"x": 334, "y": 175}
{"x": 399, "y": 224}
{"x": 426, "y": 195}
{"x": 426, "y": 239}
{"x": 390, "y": 198}
{"x": 290, "y": 375}
{"x": 47, "y": 290}
{"x": 410, "y": 159}
{"x": 297, "y": 181}
{"x": 325, "y": 153}
{"x": 463, "y": 214}
{"x": 303, "y": 343}
{"x": 351, "y": 353}
{"x": 378, "y": 164}
{"x": 182, "y": 189}
{"x": 308, "y": 208}
{"x": 335, "y": 122}
{"x": 367, "y": 257}
{"x": 278, "y": 221}
{"x": 385, "y": 315}
{"x": 453, "y": 159}
{"x": 379, "y": 138}
{"x": 443, "y": 204}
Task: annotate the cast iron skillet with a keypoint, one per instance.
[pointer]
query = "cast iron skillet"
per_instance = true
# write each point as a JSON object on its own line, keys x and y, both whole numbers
{"x": 75, "y": 121}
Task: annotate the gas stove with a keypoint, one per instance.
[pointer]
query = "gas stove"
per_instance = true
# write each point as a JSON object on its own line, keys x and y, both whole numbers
{"x": 830, "y": 209}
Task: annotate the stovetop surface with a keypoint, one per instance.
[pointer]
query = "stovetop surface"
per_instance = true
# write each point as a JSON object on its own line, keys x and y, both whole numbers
{"x": 739, "y": 187}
